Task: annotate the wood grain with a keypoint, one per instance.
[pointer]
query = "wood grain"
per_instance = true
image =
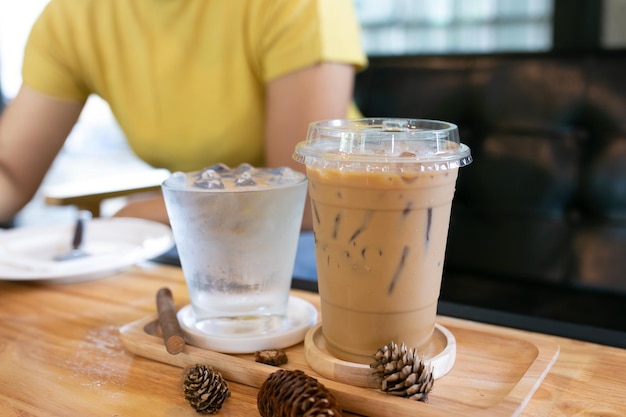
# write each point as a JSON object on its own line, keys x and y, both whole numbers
{"x": 506, "y": 371}
{"x": 61, "y": 354}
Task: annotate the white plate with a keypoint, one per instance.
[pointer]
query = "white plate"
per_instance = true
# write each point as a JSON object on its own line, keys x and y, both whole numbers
{"x": 26, "y": 253}
{"x": 301, "y": 316}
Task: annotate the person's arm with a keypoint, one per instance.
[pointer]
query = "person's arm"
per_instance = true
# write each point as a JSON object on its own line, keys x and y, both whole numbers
{"x": 293, "y": 101}
{"x": 33, "y": 128}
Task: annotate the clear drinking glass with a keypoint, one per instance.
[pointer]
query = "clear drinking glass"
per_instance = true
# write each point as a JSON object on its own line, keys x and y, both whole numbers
{"x": 236, "y": 231}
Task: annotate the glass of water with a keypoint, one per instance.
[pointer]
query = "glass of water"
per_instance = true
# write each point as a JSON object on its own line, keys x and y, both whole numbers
{"x": 236, "y": 231}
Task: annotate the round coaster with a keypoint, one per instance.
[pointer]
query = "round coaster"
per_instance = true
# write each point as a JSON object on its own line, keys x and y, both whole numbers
{"x": 301, "y": 315}
{"x": 441, "y": 354}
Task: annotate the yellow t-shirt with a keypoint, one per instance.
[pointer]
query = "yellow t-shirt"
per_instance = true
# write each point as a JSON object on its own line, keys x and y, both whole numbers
{"x": 185, "y": 78}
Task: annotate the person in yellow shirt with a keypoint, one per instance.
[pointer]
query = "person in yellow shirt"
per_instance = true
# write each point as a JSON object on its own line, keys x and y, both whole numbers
{"x": 190, "y": 82}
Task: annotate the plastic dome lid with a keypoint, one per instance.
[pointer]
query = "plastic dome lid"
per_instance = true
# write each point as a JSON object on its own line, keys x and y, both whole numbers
{"x": 424, "y": 144}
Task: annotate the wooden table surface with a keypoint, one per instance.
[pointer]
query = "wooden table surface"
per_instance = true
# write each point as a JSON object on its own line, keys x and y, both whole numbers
{"x": 61, "y": 355}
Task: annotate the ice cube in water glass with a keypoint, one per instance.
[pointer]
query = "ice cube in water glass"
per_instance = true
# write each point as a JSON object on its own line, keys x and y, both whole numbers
{"x": 245, "y": 179}
{"x": 245, "y": 167}
{"x": 219, "y": 168}
{"x": 210, "y": 183}
{"x": 177, "y": 179}
{"x": 287, "y": 175}
{"x": 210, "y": 179}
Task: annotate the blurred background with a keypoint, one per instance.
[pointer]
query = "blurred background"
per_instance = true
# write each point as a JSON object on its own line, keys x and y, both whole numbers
{"x": 96, "y": 147}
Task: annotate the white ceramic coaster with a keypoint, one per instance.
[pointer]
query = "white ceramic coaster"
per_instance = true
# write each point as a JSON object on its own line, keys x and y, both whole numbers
{"x": 441, "y": 354}
{"x": 301, "y": 315}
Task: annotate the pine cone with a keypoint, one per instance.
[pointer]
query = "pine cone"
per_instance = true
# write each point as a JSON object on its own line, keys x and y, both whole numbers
{"x": 204, "y": 389}
{"x": 295, "y": 394}
{"x": 274, "y": 357}
{"x": 402, "y": 372}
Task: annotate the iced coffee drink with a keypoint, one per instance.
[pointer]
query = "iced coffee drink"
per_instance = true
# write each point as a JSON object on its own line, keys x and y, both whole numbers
{"x": 236, "y": 231}
{"x": 381, "y": 194}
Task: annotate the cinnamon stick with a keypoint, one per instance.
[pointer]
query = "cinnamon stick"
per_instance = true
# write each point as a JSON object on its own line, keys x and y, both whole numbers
{"x": 172, "y": 333}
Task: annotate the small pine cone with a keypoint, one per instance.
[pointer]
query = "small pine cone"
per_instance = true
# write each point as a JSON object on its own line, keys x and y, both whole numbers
{"x": 402, "y": 372}
{"x": 274, "y": 357}
{"x": 204, "y": 389}
{"x": 295, "y": 394}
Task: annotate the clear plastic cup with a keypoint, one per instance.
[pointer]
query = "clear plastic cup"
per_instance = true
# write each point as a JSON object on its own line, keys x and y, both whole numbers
{"x": 381, "y": 192}
{"x": 236, "y": 231}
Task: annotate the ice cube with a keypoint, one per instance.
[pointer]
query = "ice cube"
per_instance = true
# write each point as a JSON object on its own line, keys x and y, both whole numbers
{"x": 209, "y": 183}
{"x": 286, "y": 175}
{"x": 245, "y": 179}
{"x": 208, "y": 173}
{"x": 177, "y": 179}
{"x": 245, "y": 167}
{"x": 220, "y": 168}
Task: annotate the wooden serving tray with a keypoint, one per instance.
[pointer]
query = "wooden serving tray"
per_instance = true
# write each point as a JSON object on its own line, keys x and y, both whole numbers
{"x": 496, "y": 372}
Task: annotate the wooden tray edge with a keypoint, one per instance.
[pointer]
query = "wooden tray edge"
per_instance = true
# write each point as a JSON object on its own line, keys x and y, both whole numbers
{"x": 244, "y": 371}
{"x": 547, "y": 354}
